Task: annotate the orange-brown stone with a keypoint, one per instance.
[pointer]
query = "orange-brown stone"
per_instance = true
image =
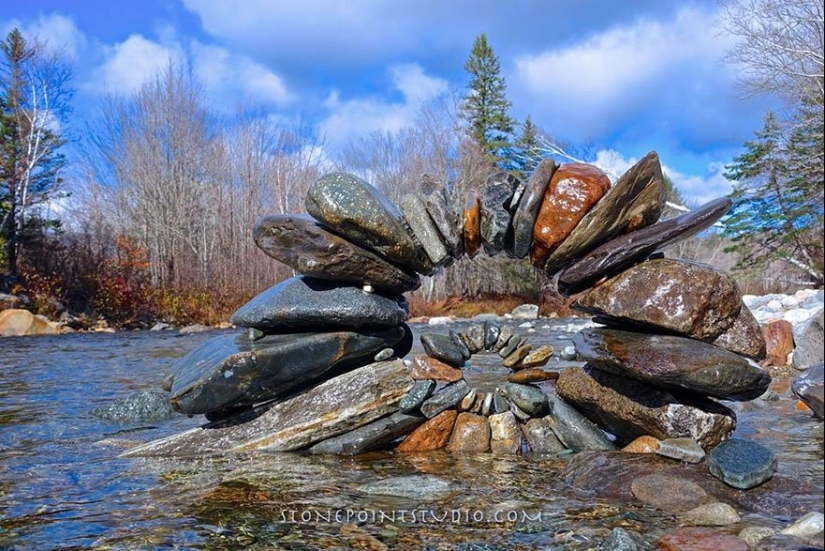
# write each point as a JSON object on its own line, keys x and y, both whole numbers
{"x": 471, "y": 434}
{"x": 573, "y": 190}
{"x": 779, "y": 342}
{"x": 532, "y": 376}
{"x": 472, "y": 225}
{"x": 700, "y": 539}
{"x": 642, "y": 444}
{"x": 424, "y": 367}
{"x": 432, "y": 435}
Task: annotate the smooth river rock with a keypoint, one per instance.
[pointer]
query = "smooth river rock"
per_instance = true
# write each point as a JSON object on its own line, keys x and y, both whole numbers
{"x": 622, "y": 252}
{"x": 369, "y": 437}
{"x": 496, "y": 196}
{"x": 230, "y": 370}
{"x": 742, "y": 463}
{"x": 695, "y": 300}
{"x": 333, "y": 407}
{"x": 672, "y": 362}
{"x": 424, "y": 229}
{"x": 471, "y": 434}
{"x": 634, "y": 201}
{"x": 574, "y": 189}
{"x": 524, "y": 219}
{"x": 472, "y": 225}
{"x": 354, "y": 209}
{"x": 744, "y": 336}
{"x": 505, "y": 434}
{"x": 629, "y": 409}
{"x": 432, "y": 435}
{"x": 445, "y": 216}
{"x": 574, "y": 430}
{"x": 310, "y": 249}
{"x": 308, "y": 303}
{"x": 810, "y": 342}
{"x": 809, "y": 388}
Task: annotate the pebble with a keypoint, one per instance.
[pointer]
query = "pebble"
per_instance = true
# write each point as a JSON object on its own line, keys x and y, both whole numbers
{"x": 683, "y": 449}
{"x": 517, "y": 355}
{"x": 466, "y": 403}
{"x": 540, "y": 436}
{"x": 503, "y": 338}
{"x": 475, "y": 336}
{"x": 538, "y": 357}
{"x": 532, "y": 376}
{"x": 668, "y": 493}
{"x": 642, "y": 444}
{"x": 624, "y": 540}
{"x": 710, "y": 514}
{"x": 753, "y": 534}
{"x": 806, "y": 527}
{"x": 741, "y": 463}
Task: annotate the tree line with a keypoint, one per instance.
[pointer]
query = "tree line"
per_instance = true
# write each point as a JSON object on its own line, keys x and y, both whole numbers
{"x": 165, "y": 192}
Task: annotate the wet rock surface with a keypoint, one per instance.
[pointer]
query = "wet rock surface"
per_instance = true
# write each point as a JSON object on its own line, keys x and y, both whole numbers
{"x": 742, "y": 464}
{"x": 809, "y": 388}
{"x": 140, "y": 407}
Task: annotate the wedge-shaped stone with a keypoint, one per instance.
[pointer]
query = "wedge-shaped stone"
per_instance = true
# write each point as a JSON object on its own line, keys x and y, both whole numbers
{"x": 351, "y": 207}
{"x": 496, "y": 197}
{"x": 524, "y": 219}
{"x": 308, "y": 303}
{"x": 369, "y": 437}
{"x": 672, "y": 362}
{"x": 425, "y": 230}
{"x": 310, "y": 249}
{"x": 629, "y": 409}
{"x": 334, "y": 407}
{"x": 445, "y": 216}
{"x": 695, "y": 300}
{"x": 634, "y": 201}
{"x": 615, "y": 256}
{"x": 230, "y": 370}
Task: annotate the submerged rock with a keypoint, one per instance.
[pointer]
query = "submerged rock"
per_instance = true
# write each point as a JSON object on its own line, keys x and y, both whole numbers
{"x": 809, "y": 388}
{"x": 231, "y": 370}
{"x": 420, "y": 487}
{"x": 351, "y": 207}
{"x": 672, "y": 362}
{"x": 629, "y": 409}
{"x": 310, "y": 249}
{"x": 333, "y": 407}
{"x": 669, "y": 493}
{"x": 574, "y": 430}
{"x": 308, "y": 303}
{"x": 140, "y": 407}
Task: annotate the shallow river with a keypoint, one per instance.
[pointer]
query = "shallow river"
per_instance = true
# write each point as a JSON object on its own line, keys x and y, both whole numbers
{"x": 64, "y": 486}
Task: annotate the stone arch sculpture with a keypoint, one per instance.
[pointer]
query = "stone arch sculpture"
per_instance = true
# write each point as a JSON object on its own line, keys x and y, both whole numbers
{"x": 321, "y": 367}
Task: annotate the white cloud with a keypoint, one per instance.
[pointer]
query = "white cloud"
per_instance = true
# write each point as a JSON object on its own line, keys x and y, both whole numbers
{"x": 57, "y": 31}
{"x": 131, "y": 63}
{"x": 231, "y": 78}
{"x": 359, "y": 117}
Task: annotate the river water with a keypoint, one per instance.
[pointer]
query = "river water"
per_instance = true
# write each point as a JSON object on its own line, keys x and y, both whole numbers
{"x": 64, "y": 486}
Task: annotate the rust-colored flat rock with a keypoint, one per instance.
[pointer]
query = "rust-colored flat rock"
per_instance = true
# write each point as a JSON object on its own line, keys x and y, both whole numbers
{"x": 432, "y": 435}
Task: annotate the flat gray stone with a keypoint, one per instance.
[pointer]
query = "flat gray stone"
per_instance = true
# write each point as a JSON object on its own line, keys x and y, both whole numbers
{"x": 809, "y": 388}
{"x": 310, "y": 249}
{"x": 682, "y": 449}
{"x": 672, "y": 362}
{"x": 528, "y": 208}
{"x": 331, "y": 408}
{"x": 425, "y": 230}
{"x": 741, "y": 463}
{"x": 496, "y": 197}
{"x": 354, "y": 209}
{"x": 371, "y": 436}
{"x": 442, "y": 348}
{"x": 230, "y": 370}
{"x": 624, "y": 540}
{"x": 446, "y": 218}
{"x": 540, "y": 436}
{"x": 574, "y": 430}
{"x": 448, "y": 396}
{"x": 308, "y": 303}
{"x": 634, "y": 201}
{"x": 622, "y": 252}
{"x": 420, "y": 487}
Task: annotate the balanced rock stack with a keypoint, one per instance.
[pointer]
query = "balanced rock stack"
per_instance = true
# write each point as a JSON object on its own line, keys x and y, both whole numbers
{"x": 320, "y": 365}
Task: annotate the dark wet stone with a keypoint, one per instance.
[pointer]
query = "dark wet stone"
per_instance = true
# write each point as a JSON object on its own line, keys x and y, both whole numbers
{"x": 576, "y": 431}
{"x": 624, "y": 540}
{"x": 140, "y": 407}
{"x": 692, "y": 299}
{"x": 441, "y": 347}
{"x": 354, "y": 209}
{"x": 672, "y": 362}
{"x": 333, "y": 407}
{"x": 540, "y": 436}
{"x": 496, "y": 197}
{"x": 310, "y": 249}
{"x": 524, "y": 219}
{"x": 634, "y": 201}
{"x": 609, "y": 475}
{"x": 622, "y": 252}
{"x": 809, "y": 388}
{"x": 809, "y": 346}
{"x": 475, "y": 337}
{"x": 682, "y": 449}
{"x": 491, "y": 335}
{"x": 629, "y": 409}
{"x": 445, "y": 217}
{"x": 515, "y": 342}
{"x": 229, "y": 370}
{"x": 405, "y": 343}
{"x": 741, "y": 463}
{"x": 744, "y": 336}
{"x": 420, "y": 391}
{"x": 503, "y": 338}
{"x": 369, "y": 437}
{"x": 447, "y": 397}
{"x": 530, "y": 399}
{"x": 500, "y": 404}
{"x": 308, "y": 303}
{"x": 460, "y": 344}
{"x": 415, "y": 213}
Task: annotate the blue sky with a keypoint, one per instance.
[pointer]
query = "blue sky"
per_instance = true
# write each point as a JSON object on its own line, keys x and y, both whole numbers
{"x": 619, "y": 77}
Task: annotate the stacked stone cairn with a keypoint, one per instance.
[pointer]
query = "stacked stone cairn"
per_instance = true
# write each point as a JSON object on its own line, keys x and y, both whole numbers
{"x": 321, "y": 366}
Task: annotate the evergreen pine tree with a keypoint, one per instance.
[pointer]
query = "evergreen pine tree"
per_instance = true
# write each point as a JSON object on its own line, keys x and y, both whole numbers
{"x": 485, "y": 106}
{"x": 527, "y": 153}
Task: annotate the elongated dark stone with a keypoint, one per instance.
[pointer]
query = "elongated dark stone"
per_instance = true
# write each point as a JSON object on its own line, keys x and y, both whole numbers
{"x": 496, "y": 228}
{"x": 309, "y": 248}
{"x": 615, "y": 256}
{"x": 441, "y": 347}
{"x": 371, "y": 436}
{"x": 528, "y": 208}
